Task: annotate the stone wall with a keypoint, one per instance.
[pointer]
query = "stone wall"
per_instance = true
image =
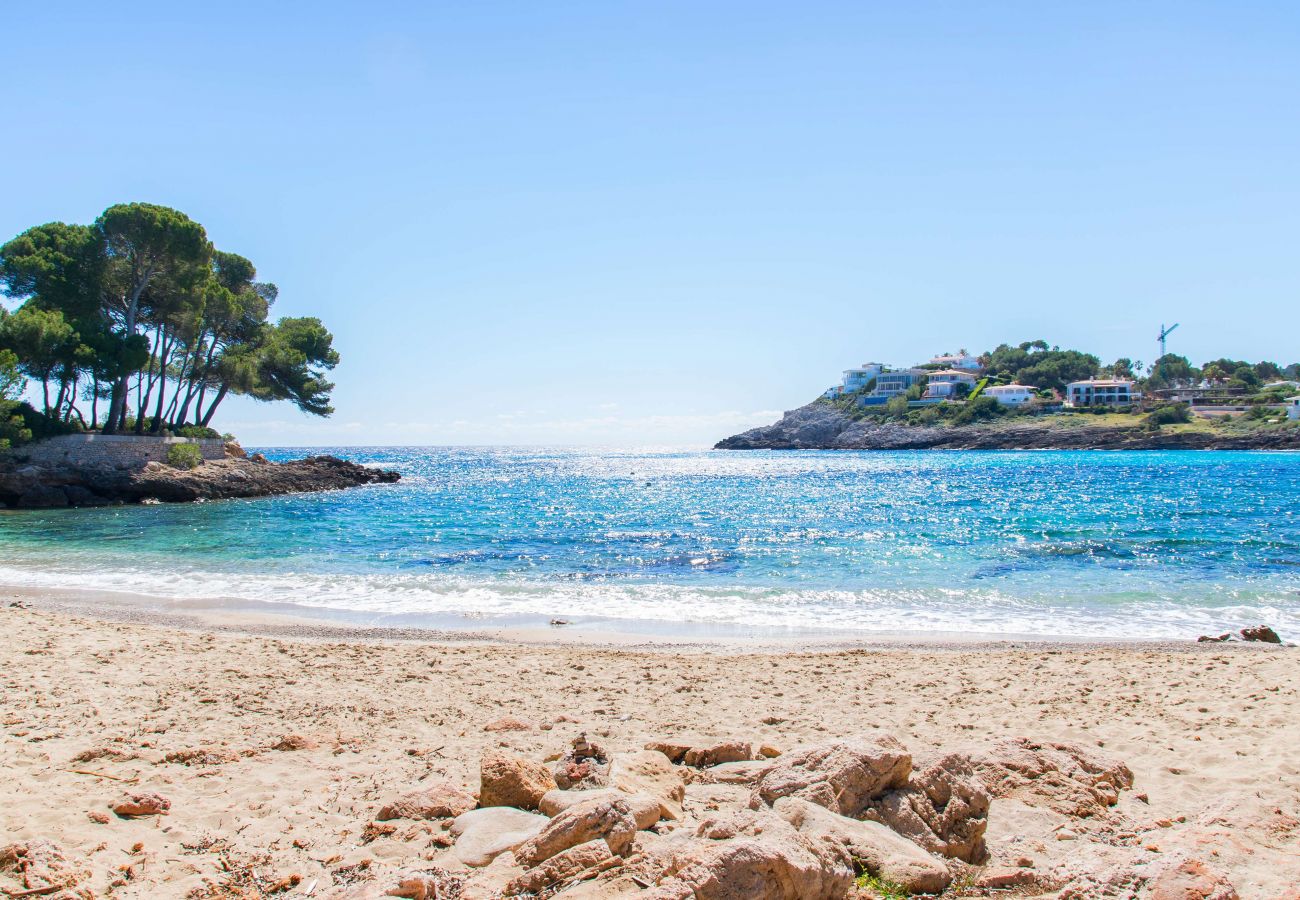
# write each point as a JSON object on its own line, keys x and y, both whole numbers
{"x": 126, "y": 450}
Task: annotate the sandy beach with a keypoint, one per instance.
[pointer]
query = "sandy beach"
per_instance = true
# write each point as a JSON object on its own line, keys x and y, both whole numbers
{"x": 275, "y": 752}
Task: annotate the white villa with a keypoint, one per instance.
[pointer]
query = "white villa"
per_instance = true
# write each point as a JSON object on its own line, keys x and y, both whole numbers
{"x": 942, "y": 385}
{"x": 963, "y": 361}
{"x": 1010, "y": 394}
{"x": 1100, "y": 392}
{"x": 854, "y": 380}
{"x": 1293, "y": 408}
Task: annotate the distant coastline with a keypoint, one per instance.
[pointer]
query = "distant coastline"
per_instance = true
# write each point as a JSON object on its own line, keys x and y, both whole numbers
{"x": 823, "y": 425}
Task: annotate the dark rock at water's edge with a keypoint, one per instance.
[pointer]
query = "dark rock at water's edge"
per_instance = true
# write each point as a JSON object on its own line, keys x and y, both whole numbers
{"x": 822, "y": 426}
{"x": 27, "y": 486}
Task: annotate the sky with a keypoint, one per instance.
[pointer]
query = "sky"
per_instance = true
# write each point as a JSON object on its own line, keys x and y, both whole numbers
{"x": 660, "y": 223}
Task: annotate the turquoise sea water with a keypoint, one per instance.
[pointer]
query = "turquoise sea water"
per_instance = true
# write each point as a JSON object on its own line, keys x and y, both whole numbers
{"x": 1117, "y": 545}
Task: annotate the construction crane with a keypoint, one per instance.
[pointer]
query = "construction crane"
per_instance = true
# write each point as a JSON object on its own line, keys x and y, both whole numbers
{"x": 1164, "y": 333}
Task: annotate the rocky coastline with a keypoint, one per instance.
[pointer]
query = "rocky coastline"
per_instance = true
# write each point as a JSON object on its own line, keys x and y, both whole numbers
{"x": 25, "y": 485}
{"x": 822, "y": 426}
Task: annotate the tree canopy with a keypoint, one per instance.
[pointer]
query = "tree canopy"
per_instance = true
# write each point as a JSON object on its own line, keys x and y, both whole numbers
{"x": 139, "y": 313}
{"x": 1035, "y": 363}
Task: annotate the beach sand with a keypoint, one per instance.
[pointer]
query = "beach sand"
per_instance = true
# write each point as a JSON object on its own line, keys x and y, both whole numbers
{"x": 93, "y": 708}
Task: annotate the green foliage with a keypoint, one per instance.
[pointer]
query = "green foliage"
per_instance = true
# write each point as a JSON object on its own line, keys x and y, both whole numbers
{"x": 981, "y": 409}
{"x": 1170, "y": 414}
{"x": 12, "y": 382}
{"x": 881, "y": 887}
{"x": 1034, "y": 363}
{"x": 139, "y": 310}
{"x": 198, "y": 432}
{"x": 1172, "y": 370}
{"x": 184, "y": 456}
{"x": 292, "y": 364}
{"x": 896, "y": 407}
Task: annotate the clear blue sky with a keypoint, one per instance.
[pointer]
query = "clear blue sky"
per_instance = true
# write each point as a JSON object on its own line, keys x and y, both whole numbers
{"x": 624, "y": 223}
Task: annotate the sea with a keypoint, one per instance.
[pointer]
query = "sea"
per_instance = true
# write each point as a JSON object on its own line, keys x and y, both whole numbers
{"x": 1051, "y": 544}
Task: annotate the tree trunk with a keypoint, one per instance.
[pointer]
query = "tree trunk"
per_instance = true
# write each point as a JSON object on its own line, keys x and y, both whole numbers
{"x": 216, "y": 401}
{"x": 117, "y": 407}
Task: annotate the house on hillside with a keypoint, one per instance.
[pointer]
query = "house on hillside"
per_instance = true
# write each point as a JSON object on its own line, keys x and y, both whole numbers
{"x": 943, "y": 385}
{"x": 857, "y": 378}
{"x": 854, "y": 380}
{"x": 1100, "y": 392}
{"x": 963, "y": 361}
{"x": 1010, "y": 394}
{"x": 1293, "y": 408}
{"x": 891, "y": 384}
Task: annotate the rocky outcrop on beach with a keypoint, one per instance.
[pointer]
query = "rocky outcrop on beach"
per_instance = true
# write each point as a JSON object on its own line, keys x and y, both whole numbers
{"x": 30, "y": 486}
{"x": 849, "y": 818}
{"x": 823, "y": 426}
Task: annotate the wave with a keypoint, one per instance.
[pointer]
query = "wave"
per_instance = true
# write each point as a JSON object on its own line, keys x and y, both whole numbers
{"x": 940, "y": 610}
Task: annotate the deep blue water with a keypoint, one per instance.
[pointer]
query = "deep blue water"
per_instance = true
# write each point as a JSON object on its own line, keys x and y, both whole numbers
{"x": 1134, "y": 544}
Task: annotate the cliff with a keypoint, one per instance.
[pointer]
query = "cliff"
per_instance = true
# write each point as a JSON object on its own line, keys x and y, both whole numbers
{"x": 27, "y": 485}
{"x": 822, "y": 426}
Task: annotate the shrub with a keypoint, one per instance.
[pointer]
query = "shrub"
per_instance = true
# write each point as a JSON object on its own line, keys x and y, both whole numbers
{"x": 184, "y": 456}
{"x": 1170, "y": 414}
{"x": 978, "y": 410}
{"x": 198, "y": 432}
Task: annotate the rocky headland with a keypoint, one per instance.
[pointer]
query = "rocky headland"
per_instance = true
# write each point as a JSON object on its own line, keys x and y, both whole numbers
{"x": 823, "y": 426}
{"x": 26, "y": 485}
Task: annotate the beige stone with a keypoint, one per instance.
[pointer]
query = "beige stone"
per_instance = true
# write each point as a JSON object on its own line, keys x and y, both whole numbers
{"x": 943, "y": 808}
{"x": 609, "y": 819}
{"x": 843, "y": 776}
{"x": 650, "y": 773}
{"x": 880, "y": 851}
{"x": 564, "y": 866}
{"x": 645, "y": 809}
{"x": 441, "y": 799}
{"x": 484, "y": 834}
{"x": 509, "y": 780}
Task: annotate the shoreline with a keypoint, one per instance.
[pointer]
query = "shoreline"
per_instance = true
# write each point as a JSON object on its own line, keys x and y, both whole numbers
{"x": 240, "y": 618}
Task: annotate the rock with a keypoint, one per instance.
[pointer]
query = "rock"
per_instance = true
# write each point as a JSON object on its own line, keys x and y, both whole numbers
{"x": 202, "y": 756}
{"x": 57, "y": 485}
{"x": 944, "y": 808}
{"x": 484, "y": 834}
{"x": 604, "y": 889}
{"x": 583, "y": 766}
{"x": 439, "y": 800}
{"x": 43, "y": 496}
{"x": 292, "y": 742}
{"x": 823, "y": 426}
{"x": 509, "y": 780}
{"x": 41, "y": 866}
{"x": 752, "y": 856}
{"x": 509, "y": 723}
{"x": 701, "y": 752}
{"x": 1001, "y": 878}
{"x": 879, "y": 850}
{"x": 744, "y": 772}
{"x": 1260, "y": 633}
{"x": 432, "y": 883}
{"x": 142, "y": 804}
{"x": 767, "y": 751}
{"x": 233, "y": 450}
{"x": 80, "y": 496}
{"x": 1191, "y": 880}
{"x": 1068, "y": 778}
{"x": 607, "y": 819}
{"x": 99, "y": 817}
{"x": 645, "y": 809}
{"x": 649, "y": 772}
{"x": 564, "y": 866}
{"x": 844, "y": 776}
